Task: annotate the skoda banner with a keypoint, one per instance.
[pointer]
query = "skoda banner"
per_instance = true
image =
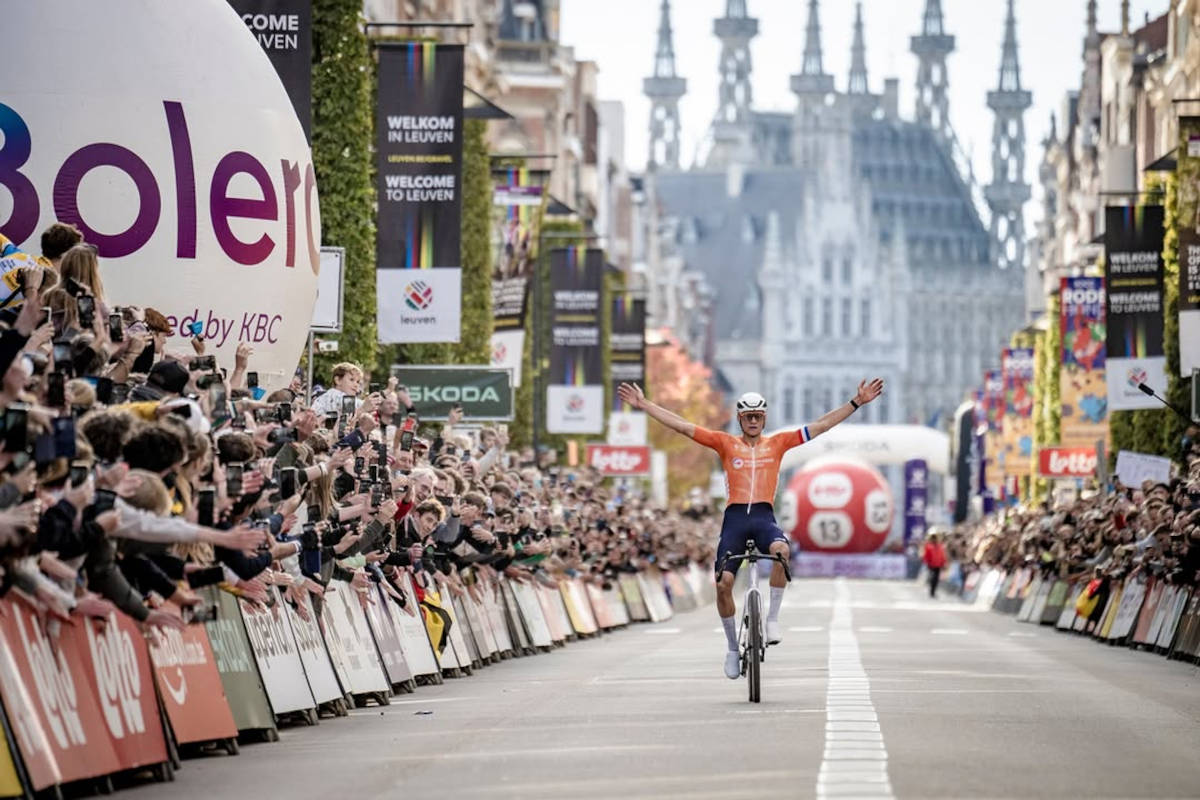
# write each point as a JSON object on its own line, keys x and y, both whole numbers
{"x": 575, "y": 390}
{"x": 1133, "y": 276}
{"x": 418, "y": 144}
{"x": 1188, "y": 158}
{"x": 283, "y": 28}
{"x": 485, "y": 393}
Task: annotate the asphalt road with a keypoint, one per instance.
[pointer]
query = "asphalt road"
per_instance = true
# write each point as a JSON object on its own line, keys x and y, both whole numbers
{"x": 875, "y": 692}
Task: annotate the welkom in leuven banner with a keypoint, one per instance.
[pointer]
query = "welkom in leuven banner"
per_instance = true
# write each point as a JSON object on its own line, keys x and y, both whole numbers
{"x": 418, "y": 142}
{"x": 575, "y": 389}
{"x": 1133, "y": 270}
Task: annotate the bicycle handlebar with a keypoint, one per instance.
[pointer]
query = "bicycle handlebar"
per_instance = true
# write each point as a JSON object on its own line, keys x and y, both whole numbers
{"x": 756, "y": 556}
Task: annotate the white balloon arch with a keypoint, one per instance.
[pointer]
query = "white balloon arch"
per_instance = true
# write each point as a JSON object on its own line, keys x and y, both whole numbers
{"x": 877, "y": 444}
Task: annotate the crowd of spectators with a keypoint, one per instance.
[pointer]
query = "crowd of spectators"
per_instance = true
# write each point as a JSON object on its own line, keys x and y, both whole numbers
{"x": 1102, "y": 536}
{"x": 136, "y": 470}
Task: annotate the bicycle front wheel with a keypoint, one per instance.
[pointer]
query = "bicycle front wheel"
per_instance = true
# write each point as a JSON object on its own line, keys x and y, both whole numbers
{"x": 754, "y": 646}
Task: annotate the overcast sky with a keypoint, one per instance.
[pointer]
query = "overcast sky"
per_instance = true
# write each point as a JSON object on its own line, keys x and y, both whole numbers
{"x": 620, "y": 36}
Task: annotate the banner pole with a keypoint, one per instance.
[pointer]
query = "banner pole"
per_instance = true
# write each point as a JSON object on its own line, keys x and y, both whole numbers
{"x": 308, "y": 386}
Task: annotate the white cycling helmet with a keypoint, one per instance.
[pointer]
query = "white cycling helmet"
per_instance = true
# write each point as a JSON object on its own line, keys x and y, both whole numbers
{"x": 751, "y": 401}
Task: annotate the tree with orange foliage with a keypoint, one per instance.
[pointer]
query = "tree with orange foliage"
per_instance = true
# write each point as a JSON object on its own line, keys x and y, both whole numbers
{"x": 674, "y": 380}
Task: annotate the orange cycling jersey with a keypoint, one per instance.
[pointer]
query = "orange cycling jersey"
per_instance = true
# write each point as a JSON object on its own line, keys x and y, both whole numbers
{"x": 751, "y": 473}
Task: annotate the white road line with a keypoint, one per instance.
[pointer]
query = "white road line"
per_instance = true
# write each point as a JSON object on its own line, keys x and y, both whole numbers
{"x": 855, "y": 759}
{"x": 1022, "y": 634}
{"x": 949, "y": 631}
{"x": 874, "y": 629}
{"x": 652, "y": 631}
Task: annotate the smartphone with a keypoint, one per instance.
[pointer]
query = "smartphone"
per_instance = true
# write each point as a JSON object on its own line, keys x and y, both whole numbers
{"x": 209, "y": 576}
{"x": 349, "y": 406}
{"x": 239, "y": 417}
{"x": 373, "y": 473}
{"x": 63, "y": 359}
{"x": 79, "y": 474}
{"x": 218, "y": 399}
{"x": 87, "y": 309}
{"x": 120, "y": 392}
{"x": 288, "y": 479}
{"x": 406, "y": 434}
{"x": 360, "y": 465}
{"x": 64, "y": 437}
{"x": 205, "y": 507}
{"x": 376, "y": 497}
{"x": 464, "y": 456}
{"x": 16, "y": 427}
{"x": 116, "y": 328}
{"x": 105, "y": 500}
{"x": 203, "y": 364}
{"x": 331, "y": 421}
{"x": 233, "y": 479}
{"x": 283, "y": 413}
{"x": 56, "y": 389}
{"x": 251, "y": 380}
{"x": 183, "y": 411}
{"x": 47, "y": 313}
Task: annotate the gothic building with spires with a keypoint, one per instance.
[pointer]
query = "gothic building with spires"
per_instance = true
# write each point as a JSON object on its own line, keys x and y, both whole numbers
{"x": 844, "y": 239}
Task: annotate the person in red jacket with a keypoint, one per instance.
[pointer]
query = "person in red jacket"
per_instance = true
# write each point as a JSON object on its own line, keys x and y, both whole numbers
{"x": 934, "y": 556}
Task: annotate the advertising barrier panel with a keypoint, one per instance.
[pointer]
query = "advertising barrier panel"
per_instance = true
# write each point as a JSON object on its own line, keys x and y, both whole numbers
{"x": 244, "y": 689}
{"x": 536, "y": 624}
{"x": 343, "y": 618}
{"x": 277, "y": 657}
{"x": 386, "y": 640}
{"x": 314, "y": 657}
{"x": 414, "y": 638}
{"x": 186, "y": 669}
{"x": 67, "y": 739}
{"x": 631, "y": 592}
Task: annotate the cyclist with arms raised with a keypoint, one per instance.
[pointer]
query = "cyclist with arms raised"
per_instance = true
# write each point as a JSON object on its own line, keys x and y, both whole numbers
{"x": 751, "y": 463}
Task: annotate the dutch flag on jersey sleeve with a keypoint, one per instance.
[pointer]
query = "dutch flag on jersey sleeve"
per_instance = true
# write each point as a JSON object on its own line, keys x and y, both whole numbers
{"x": 803, "y": 435}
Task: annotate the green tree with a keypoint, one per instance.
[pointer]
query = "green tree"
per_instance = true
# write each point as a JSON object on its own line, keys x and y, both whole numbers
{"x": 342, "y": 134}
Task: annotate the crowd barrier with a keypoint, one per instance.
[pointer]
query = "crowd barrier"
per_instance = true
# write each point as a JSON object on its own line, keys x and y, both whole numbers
{"x": 87, "y": 700}
{"x": 1141, "y": 611}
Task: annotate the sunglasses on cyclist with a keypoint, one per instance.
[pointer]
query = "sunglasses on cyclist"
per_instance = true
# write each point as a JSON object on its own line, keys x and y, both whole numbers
{"x": 753, "y": 416}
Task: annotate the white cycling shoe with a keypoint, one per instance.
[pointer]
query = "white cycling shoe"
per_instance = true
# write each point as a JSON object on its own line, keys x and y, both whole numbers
{"x": 774, "y": 634}
{"x": 733, "y": 665}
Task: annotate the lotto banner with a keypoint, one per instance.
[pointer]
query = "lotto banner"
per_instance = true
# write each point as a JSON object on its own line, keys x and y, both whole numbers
{"x": 1016, "y": 364}
{"x": 1188, "y": 157}
{"x": 1082, "y": 390}
{"x": 418, "y": 143}
{"x": 575, "y": 389}
{"x": 1133, "y": 278}
{"x": 627, "y": 344}
{"x": 283, "y": 28}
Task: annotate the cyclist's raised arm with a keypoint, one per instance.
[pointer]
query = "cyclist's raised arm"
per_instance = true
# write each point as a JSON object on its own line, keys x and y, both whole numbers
{"x": 866, "y": 393}
{"x": 632, "y": 394}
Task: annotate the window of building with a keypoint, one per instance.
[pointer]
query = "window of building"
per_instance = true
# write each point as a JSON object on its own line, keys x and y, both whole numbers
{"x": 827, "y": 317}
{"x": 810, "y": 322}
{"x": 847, "y": 271}
{"x": 809, "y": 413}
{"x": 827, "y": 269}
{"x": 882, "y": 403}
{"x": 847, "y": 322}
{"x": 864, "y": 319}
{"x": 789, "y": 403}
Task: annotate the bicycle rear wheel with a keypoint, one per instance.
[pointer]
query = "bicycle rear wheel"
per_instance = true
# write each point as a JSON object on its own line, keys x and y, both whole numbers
{"x": 753, "y": 646}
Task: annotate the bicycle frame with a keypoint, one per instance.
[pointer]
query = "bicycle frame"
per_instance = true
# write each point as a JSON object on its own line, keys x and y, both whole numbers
{"x": 753, "y": 643}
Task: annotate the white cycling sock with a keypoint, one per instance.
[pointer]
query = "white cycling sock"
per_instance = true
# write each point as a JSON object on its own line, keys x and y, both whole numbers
{"x": 776, "y": 602}
{"x": 730, "y": 624}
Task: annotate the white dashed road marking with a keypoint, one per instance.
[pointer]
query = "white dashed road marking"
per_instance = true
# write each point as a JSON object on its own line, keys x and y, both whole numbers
{"x": 949, "y": 631}
{"x": 660, "y": 630}
{"x": 855, "y": 760}
{"x": 874, "y": 629}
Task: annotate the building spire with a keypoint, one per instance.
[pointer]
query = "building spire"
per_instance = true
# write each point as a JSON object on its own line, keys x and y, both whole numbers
{"x": 1008, "y": 192}
{"x": 931, "y": 48}
{"x": 812, "y": 42}
{"x": 858, "y": 56}
{"x": 1124, "y": 17}
{"x": 812, "y": 79}
{"x": 1010, "y": 68}
{"x": 664, "y": 88}
{"x": 731, "y": 125}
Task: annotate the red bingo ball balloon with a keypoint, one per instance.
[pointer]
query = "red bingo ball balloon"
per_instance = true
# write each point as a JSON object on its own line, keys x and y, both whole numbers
{"x": 841, "y": 506}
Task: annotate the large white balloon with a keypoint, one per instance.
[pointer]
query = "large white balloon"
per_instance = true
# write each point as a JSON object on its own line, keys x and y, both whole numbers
{"x": 162, "y": 130}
